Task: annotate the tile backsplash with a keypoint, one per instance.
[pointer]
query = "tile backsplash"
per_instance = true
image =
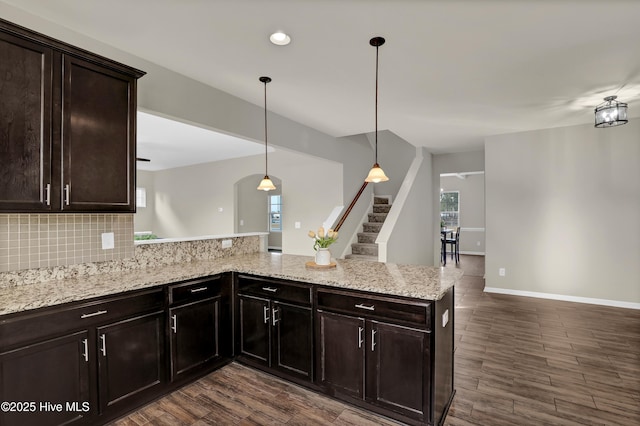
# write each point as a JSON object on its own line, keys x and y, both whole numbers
{"x": 43, "y": 240}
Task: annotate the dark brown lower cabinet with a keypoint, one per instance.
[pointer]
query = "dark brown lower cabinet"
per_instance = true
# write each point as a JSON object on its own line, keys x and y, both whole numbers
{"x": 391, "y": 355}
{"x": 46, "y": 383}
{"x": 275, "y": 326}
{"x": 130, "y": 358}
{"x": 383, "y": 364}
{"x": 194, "y": 335}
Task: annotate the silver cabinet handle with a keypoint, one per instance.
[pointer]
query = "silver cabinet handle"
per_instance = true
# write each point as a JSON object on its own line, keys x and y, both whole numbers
{"x": 174, "y": 325}
{"x": 274, "y": 313}
{"x": 265, "y": 312}
{"x": 271, "y": 289}
{"x": 103, "y": 340}
{"x": 47, "y": 192}
{"x": 93, "y": 314}
{"x": 360, "y": 336}
{"x": 373, "y": 340}
{"x": 85, "y": 345}
{"x": 198, "y": 290}
{"x": 368, "y": 308}
{"x": 67, "y": 194}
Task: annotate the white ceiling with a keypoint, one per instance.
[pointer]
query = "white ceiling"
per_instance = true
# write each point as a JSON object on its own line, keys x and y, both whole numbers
{"x": 451, "y": 73}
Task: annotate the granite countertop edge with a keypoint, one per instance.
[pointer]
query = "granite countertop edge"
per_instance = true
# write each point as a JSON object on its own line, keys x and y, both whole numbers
{"x": 412, "y": 281}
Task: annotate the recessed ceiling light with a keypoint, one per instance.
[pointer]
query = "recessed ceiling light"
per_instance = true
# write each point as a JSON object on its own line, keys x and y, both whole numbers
{"x": 280, "y": 38}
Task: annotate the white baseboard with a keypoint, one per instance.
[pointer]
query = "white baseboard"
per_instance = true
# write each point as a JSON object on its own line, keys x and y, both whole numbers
{"x": 473, "y": 253}
{"x": 566, "y": 298}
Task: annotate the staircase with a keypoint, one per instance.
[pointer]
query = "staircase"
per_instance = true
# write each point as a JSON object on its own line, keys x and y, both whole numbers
{"x": 366, "y": 247}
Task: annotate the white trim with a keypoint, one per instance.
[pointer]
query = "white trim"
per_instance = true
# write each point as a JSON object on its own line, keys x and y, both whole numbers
{"x": 473, "y": 253}
{"x": 566, "y": 298}
{"x": 461, "y": 174}
{"x": 471, "y": 229}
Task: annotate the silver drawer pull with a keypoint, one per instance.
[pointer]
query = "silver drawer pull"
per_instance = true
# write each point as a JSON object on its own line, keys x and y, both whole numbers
{"x": 197, "y": 290}
{"x": 360, "y": 336}
{"x": 271, "y": 289}
{"x": 174, "y": 325}
{"x": 274, "y": 316}
{"x": 93, "y": 314}
{"x": 368, "y": 308}
{"x": 265, "y": 313}
{"x": 67, "y": 194}
{"x": 373, "y": 340}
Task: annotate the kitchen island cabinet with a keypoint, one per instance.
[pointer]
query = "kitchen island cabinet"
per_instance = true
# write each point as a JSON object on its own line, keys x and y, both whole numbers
{"x": 379, "y": 336}
{"x": 275, "y": 326}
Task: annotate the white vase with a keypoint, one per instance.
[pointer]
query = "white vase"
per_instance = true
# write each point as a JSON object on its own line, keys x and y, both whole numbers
{"x": 323, "y": 256}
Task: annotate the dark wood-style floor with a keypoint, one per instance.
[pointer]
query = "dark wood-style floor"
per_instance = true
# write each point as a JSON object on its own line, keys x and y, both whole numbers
{"x": 518, "y": 361}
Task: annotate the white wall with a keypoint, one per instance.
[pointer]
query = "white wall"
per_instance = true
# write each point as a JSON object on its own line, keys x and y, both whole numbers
{"x": 410, "y": 241}
{"x": 471, "y": 193}
{"x": 563, "y": 212}
{"x": 189, "y": 199}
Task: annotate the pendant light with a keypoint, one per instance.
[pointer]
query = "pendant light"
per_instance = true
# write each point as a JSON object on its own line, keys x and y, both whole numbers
{"x": 265, "y": 183}
{"x": 611, "y": 113}
{"x": 376, "y": 174}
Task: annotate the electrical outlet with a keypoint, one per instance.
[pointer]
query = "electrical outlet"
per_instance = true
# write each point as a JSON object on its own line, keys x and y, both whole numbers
{"x": 502, "y": 272}
{"x": 297, "y": 225}
{"x": 108, "y": 241}
{"x": 241, "y": 222}
{"x": 226, "y": 243}
{"x": 445, "y": 318}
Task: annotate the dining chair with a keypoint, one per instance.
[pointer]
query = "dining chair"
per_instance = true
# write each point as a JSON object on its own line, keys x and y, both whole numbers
{"x": 454, "y": 243}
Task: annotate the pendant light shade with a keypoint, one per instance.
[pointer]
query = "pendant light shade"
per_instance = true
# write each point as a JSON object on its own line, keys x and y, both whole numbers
{"x": 611, "y": 113}
{"x": 265, "y": 183}
{"x": 376, "y": 174}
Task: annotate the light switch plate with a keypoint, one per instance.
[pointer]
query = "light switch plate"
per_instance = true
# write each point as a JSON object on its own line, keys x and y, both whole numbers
{"x": 108, "y": 241}
{"x": 297, "y": 225}
{"x": 226, "y": 243}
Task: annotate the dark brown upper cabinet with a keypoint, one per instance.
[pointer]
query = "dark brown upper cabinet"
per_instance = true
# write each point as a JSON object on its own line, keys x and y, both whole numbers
{"x": 67, "y": 127}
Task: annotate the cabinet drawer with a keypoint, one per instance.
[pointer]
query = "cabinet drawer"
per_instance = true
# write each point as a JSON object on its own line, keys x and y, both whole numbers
{"x": 274, "y": 289}
{"x": 28, "y": 327}
{"x": 369, "y": 306}
{"x": 195, "y": 290}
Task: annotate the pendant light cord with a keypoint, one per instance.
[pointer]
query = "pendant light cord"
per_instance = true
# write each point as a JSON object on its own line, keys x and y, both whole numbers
{"x": 377, "y": 104}
{"x": 265, "y": 129}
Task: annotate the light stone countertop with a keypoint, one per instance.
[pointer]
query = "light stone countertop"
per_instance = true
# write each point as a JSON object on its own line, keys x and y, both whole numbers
{"x": 415, "y": 281}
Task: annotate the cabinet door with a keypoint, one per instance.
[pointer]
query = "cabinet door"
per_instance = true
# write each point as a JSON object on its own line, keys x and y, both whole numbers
{"x": 194, "y": 335}
{"x": 55, "y": 371}
{"x": 341, "y": 354}
{"x": 98, "y": 137}
{"x": 130, "y": 358}
{"x": 398, "y": 368}
{"x": 25, "y": 124}
{"x": 292, "y": 349}
{"x": 255, "y": 318}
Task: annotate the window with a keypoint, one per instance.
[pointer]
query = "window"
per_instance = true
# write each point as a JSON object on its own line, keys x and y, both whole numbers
{"x": 141, "y": 197}
{"x": 450, "y": 208}
{"x": 275, "y": 210}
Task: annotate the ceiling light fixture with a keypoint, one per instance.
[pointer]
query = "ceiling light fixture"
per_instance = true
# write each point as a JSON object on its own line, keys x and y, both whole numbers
{"x": 376, "y": 174}
{"x": 611, "y": 113}
{"x": 265, "y": 183}
{"x": 279, "y": 38}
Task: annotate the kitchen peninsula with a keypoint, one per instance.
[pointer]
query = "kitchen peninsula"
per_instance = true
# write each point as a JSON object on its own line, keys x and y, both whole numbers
{"x": 376, "y": 335}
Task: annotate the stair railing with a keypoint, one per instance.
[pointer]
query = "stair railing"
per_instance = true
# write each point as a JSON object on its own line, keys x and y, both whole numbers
{"x": 353, "y": 203}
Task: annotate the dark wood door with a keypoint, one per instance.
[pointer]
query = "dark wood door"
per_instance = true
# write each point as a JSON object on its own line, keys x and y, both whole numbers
{"x": 130, "y": 358}
{"x": 255, "y": 326}
{"x": 398, "y": 368}
{"x": 341, "y": 352}
{"x": 25, "y": 124}
{"x": 292, "y": 348}
{"x": 194, "y": 335}
{"x": 98, "y": 138}
{"x": 55, "y": 371}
